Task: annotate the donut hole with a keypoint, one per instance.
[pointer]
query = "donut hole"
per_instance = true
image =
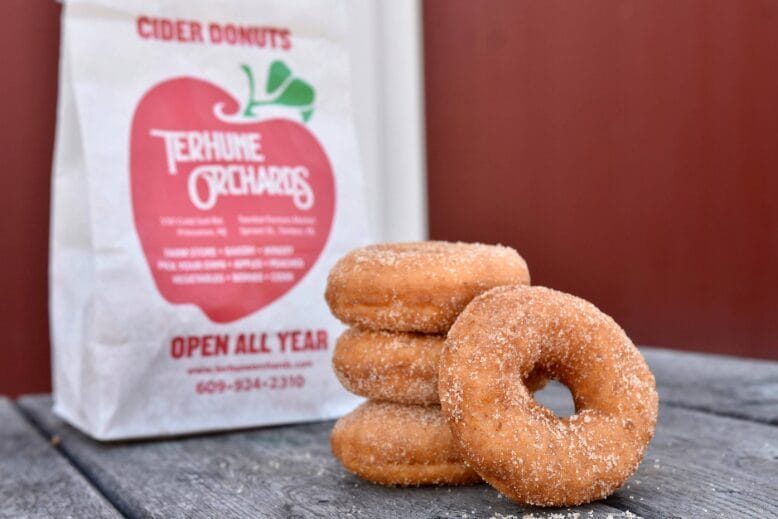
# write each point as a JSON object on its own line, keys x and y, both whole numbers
{"x": 556, "y": 397}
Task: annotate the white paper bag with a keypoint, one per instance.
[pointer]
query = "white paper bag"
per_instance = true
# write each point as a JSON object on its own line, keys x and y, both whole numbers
{"x": 205, "y": 180}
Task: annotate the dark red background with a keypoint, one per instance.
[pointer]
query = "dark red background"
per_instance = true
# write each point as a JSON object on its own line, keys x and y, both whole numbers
{"x": 29, "y": 52}
{"x": 629, "y": 150}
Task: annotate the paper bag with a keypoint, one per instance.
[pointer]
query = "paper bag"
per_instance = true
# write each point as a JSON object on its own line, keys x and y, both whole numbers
{"x": 205, "y": 179}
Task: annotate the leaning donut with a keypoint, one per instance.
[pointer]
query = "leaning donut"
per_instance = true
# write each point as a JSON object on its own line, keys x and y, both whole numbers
{"x": 395, "y": 444}
{"x": 520, "y": 447}
{"x": 394, "y": 367}
{"x": 417, "y": 287}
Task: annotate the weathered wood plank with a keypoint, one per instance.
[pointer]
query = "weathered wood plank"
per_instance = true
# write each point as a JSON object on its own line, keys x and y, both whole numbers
{"x": 698, "y": 465}
{"x": 743, "y": 388}
{"x": 270, "y": 472}
{"x": 36, "y": 480}
{"x": 702, "y": 465}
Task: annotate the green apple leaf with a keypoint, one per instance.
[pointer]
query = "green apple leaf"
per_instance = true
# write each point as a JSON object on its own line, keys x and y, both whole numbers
{"x": 276, "y": 76}
{"x": 286, "y": 91}
{"x": 296, "y": 93}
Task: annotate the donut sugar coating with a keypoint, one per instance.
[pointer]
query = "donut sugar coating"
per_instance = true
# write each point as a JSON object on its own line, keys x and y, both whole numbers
{"x": 395, "y": 366}
{"x": 417, "y": 287}
{"x": 397, "y": 444}
{"x": 519, "y": 446}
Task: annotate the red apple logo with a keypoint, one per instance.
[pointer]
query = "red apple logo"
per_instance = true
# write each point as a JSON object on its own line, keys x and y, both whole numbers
{"x": 231, "y": 211}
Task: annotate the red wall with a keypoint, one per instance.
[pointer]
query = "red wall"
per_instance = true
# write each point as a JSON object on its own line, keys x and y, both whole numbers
{"x": 29, "y": 42}
{"x": 629, "y": 150}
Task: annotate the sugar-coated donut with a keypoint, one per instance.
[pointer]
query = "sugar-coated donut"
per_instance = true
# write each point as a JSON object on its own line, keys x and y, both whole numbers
{"x": 395, "y": 366}
{"x": 396, "y": 444}
{"x": 417, "y": 287}
{"x": 517, "y": 445}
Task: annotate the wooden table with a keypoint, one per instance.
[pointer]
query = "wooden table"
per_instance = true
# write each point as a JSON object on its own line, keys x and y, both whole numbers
{"x": 715, "y": 454}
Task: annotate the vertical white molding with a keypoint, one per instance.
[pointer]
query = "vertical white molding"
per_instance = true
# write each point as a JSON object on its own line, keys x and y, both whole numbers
{"x": 387, "y": 78}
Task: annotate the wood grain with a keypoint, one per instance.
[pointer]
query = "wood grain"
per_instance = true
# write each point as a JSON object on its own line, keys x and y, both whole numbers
{"x": 698, "y": 464}
{"x": 271, "y": 472}
{"x": 36, "y": 480}
{"x": 702, "y": 465}
{"x": 742, "y": 388}
{"x": 701, "y": 462}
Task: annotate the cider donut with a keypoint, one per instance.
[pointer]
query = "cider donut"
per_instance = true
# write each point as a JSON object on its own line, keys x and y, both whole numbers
{"x": 517, "y": 445}
{"x": 395, "y": 367}
{"x": 417, "y": 287}
{"x": 396, "y": 444}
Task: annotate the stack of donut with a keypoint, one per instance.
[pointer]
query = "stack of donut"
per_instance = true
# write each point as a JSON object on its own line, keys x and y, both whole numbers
{"x": 399, "y": 301}
{"x": 448, "y": 342}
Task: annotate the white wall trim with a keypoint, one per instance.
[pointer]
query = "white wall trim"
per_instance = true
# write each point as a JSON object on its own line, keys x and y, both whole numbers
{"x": 387, "y": 78}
